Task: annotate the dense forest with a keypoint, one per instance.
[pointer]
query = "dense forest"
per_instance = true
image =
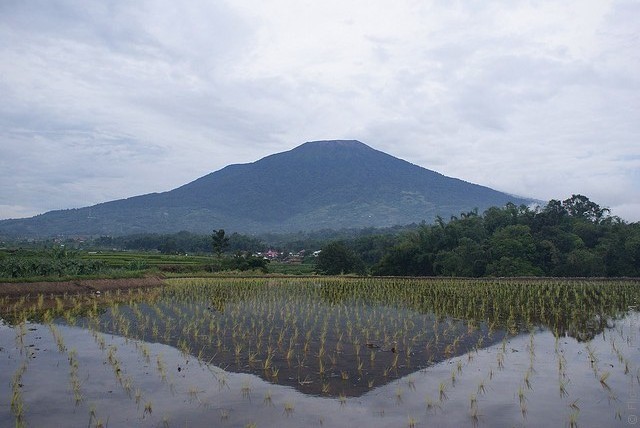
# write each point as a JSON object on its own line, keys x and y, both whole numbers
{"x": 574, "y": 237}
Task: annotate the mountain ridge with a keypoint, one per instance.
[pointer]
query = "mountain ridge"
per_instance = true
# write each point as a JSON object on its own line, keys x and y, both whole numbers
{"x": 317, "y": 185}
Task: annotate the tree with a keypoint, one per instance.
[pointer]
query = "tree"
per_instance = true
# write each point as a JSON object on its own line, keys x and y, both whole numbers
{"x": 512, "y": 241}
{"x": 512, "y": 266}
{"x": 584, "y": 262}
{"x": 496, "y": 218}
{"x": 219, "y": 242}
{"x": 404, "y": 258}
{"x": 580, "y": 206}
{"x": 467, "y": 259}
{"x": 169, "y": 246}
{"x": 335, "y": 258}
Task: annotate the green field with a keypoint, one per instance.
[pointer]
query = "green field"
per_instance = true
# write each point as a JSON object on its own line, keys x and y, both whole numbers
{"x": 59, "y": 264}
{"x": 122, "y": 259}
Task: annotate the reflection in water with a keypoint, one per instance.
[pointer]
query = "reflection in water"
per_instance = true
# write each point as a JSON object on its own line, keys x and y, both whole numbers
{"x": 340, "y": 337}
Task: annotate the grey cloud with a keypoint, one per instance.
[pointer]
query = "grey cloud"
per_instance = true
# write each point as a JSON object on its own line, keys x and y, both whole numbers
{"x": 101, "y": 99}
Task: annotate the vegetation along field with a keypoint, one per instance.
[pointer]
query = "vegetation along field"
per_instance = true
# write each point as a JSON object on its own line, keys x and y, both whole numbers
{"x": 325, "y": 351}
{"x": 570, "y": 238}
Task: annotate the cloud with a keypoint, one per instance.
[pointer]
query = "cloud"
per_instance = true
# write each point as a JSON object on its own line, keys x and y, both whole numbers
{"x": 109, "y": 100}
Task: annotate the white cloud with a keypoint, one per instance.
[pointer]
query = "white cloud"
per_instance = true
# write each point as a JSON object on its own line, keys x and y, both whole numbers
{"x": 109, "y": 100}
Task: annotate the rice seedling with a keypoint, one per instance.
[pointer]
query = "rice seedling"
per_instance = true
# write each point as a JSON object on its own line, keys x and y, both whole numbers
{"x": 521, "y": 396}
{"x": 193, "y": 394}
{"x": 574, "y": 405}
{"x": 523, "y": 410}
{"x": 562, "y": 386}
{"x": 593, "y": 359}
{"x": 93, "y": 416}
{"x": 442, "y": 391}
{"x": 138, "y": 397}
{"x": 394, "y": 364}
{"x": 473, "y": 401}
{"x": 475, "y": 417}
{"x": 288, "y": 408}
{"x": 430, "y": 404}
{"x": 573, "y": 419}
{"x": 148, "y": 408}
{"x": 274, "y": 373}
{"x": 562, "y": 365}
{"x": 412, "y": 422}
{"x": 342, "y": 399}
{"x": 161, "y": 366}
{"x": 399, "y": 393}
{"x": 266, "y": 364}
{"x": 21, "y": 331}
{"x": 224, "y": 414}
{"x": 333, "y": 358}
{"x": 481, "y": 388}
{"x": 603, "y": 380}
{"x": 222, "y": 381}
{"x": 248, "y": 325}
{"x": 411, "y": 383}
{"x": 127, "y": 385}
{"x": 74, "y": 380}
{"x": 238, "y": 351}
{"x": 253, "y": 358}
{"x": 527, "y": 377}
{"x": 58, "y": 338}
{"x": 17, "y": 403}
{"x": 267, "y": 399}
{"x": 500, "y": 360}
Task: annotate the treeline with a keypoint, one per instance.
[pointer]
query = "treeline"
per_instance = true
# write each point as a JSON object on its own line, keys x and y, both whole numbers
{"x": 571, "y": 238}
{"x": 193, "y": 243}
{"x": 176, "y": 243}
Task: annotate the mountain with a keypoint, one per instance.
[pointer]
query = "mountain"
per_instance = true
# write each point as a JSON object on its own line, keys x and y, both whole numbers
{"x": 318, "y": 185}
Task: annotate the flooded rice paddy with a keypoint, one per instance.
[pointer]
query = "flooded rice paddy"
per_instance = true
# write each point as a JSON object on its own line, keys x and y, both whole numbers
{"x": 326, "y": 352}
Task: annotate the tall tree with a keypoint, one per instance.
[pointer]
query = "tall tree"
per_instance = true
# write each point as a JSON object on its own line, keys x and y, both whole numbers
{"x": 580, "y": 206}
{"x": 219, "y": 242}
{"x": 336, "y": 258}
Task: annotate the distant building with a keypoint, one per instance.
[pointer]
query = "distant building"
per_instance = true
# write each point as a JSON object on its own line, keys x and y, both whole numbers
{"x": 271, "y": 254}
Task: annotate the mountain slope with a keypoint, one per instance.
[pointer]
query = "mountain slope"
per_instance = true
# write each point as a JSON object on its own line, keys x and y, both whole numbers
{"x": 320, "y": 184}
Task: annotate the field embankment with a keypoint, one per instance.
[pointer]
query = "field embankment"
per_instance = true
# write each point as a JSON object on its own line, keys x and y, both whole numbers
{"x": 15, "y": 289}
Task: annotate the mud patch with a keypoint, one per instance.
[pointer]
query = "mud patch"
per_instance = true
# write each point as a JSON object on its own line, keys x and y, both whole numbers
{"x": 85, "y": 286}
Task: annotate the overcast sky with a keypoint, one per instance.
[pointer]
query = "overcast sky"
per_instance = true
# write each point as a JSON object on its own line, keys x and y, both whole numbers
{"x": 101, "y": 100}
